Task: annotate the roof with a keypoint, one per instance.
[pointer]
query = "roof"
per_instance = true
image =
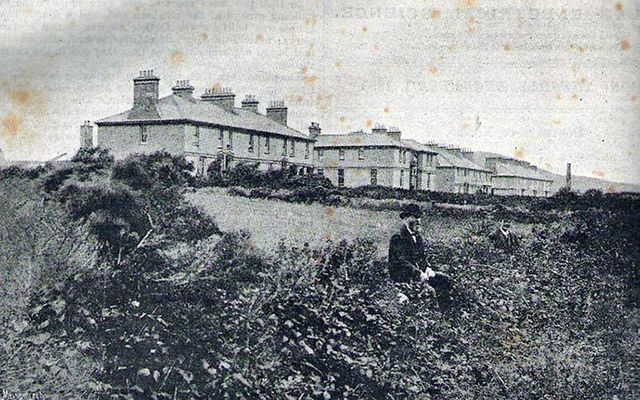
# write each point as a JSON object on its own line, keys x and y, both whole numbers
{"x": 509, "y": 166}
{"x": 520, "y": 171}
{"x": 449, "y": 159}
{"x": 176, "y": 108}
{"x": 358, "y": 139}
{"x": 418, "y": 146}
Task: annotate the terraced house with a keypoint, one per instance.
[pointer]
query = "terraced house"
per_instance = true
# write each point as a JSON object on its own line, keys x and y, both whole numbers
{"x": 423, "y": 166}
{"x": 205, "y": 129}
{"x": 457, "y": 174}
{"x": 518, "y": 178}
{"x": 360, "y": 158}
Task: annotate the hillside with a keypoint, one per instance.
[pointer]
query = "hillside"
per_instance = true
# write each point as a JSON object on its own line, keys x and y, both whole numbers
{"x": 579, "y": 183}
{"x": 116, "y": 287}
{"x": 584, "y": 183}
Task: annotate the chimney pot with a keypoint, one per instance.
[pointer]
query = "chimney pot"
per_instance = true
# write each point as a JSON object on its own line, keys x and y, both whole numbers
{"x": 183, "y": 89}
{"x": 145, "y": 96}
{"x": 277, "y": 112}
{"x": 250, "y": 103}
{"x": 394, "y": 133}
{"x": 379, "y": 128}
{"x": 314, "y": 130}
{"x": 222, "y": 97}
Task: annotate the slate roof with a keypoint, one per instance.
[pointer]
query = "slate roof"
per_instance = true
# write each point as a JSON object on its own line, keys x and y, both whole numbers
{"x": 174, "y": 107}
{"x": 449, "y": 159}
{"x": 508, "y": 169}
{"x": 418, "y": 146}
{"x": 358, "y": 139}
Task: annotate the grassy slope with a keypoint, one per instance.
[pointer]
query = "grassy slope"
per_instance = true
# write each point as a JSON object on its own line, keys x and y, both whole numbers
{"x": 271, "y": 221}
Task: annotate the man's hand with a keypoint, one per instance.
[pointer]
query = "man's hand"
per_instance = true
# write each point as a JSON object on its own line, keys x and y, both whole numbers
{"x": 429, "y": 273}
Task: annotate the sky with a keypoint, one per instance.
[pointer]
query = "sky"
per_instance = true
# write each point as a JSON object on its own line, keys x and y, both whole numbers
{"x": 549, "y": 82}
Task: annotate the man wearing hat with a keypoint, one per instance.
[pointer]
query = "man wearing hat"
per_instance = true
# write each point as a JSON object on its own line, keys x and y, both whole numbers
{"x": 503, "y": 238}
{"x": 407, "y": 256}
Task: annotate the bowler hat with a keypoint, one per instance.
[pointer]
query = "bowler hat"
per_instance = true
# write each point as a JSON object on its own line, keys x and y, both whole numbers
{"x": 411, "y": 210}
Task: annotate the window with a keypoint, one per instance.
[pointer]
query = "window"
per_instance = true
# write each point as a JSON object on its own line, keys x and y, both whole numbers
{"x": 401, "y": 178}
{"x": 341, "y": 152}
{"x": 403, "y": 156}
{"x": 284, "y": 147}
{"x": 340, "y": 178}
{"x": 267, "y": 145}
{"x": 321, "y": 171}
{"x": 251, "y": 142}
{"x": 293, "y": 149}
{"x": 360, "y": 153}
{"x": 374, "y": 176}
{"x": 221, "y": 137}
{"x": 196, "y": 137}
{"x": 320, "y": 154}
{"x": 201, "y": 165}
{"x": 306, "y": 150}
{"x": 230, "y": 145}
{"x": 428, "y": 181}
{"x": 143, "y": 134}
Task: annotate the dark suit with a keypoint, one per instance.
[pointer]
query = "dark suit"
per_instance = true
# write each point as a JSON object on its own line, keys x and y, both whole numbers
{"x": 406, "y": 260}
{"x": 507, "y": 242}
{"x": 406, "y": 256}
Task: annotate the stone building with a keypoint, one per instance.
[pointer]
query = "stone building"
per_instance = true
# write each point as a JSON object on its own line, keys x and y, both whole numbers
{"x": 204, "y": 129}
{"x": 423, "y": 166}
{"x": 457, "y": 174}
{"x": 518, "y": 178}
{"x": 360, "y": 158}
{"x": 513, "y": 177}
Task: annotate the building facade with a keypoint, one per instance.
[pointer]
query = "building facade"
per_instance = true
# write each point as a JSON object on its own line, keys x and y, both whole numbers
{"x": 423, "y": 166}
{"x": 361, "y": 158}
{"x": 457, "y": 174}
{"x": 206, "y": 129}
{"x": 212, "y": 129}
{"x": 518, "y": 178}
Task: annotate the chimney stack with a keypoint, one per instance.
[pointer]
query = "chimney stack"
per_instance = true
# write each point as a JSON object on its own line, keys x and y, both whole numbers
{"x": 468, "y": 154}
{"x": 250, "y": 103}
{"x": 314, "y": 130}
{"x": 86, "y": 135}
{"x": 568, "y": 176}
{"x": 183, "y": 89}
{"x": 394, "y": 133}
{"x": 379, "y": 128}
{"x": 222, "y": 97}
{"x": 277, "y": 112}
{"x": 145, "y": 96}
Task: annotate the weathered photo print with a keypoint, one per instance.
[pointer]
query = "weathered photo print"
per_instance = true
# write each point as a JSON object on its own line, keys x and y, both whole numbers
{"x": 319, "y": 199}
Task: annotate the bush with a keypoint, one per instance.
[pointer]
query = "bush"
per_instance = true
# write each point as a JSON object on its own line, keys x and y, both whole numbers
{"x": 220, "y": 319}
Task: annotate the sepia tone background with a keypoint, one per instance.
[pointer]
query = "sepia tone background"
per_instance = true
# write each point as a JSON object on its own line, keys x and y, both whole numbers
{"x": 549, "y": 82}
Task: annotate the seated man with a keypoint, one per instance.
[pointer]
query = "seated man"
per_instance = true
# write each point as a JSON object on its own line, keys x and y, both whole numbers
{"x": 503, "y": 238}
{"x": 407, "y": 257}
